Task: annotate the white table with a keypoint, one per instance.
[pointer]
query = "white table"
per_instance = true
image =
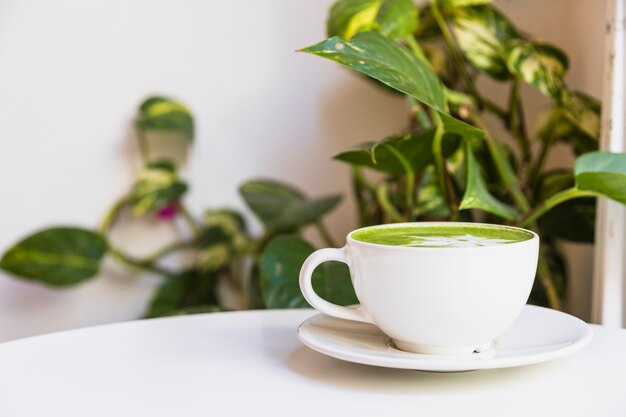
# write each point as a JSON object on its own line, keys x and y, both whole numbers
{"x": 252, "y": 364}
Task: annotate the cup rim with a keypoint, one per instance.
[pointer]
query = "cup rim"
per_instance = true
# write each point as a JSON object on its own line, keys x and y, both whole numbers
{"x": 351, "y": 240}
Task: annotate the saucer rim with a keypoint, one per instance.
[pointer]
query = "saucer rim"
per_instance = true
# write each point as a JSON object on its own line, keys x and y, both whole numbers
{"x": 442, "y": 363}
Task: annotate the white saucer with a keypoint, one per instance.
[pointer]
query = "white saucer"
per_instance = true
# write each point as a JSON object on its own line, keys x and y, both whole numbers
{"x": 539, "y": 334}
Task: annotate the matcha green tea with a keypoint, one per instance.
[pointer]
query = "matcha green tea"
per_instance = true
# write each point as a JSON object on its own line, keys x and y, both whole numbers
{"x": 441, "y": 235}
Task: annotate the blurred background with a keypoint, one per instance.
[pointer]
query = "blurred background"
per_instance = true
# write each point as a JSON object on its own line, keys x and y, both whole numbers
{"x": 72, "y": 73}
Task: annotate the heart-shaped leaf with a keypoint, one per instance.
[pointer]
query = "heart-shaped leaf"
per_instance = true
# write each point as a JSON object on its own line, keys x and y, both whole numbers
{"x": 476, "y": 194}
{"x": 539, "y": 64}
{"x": 602, "y": 173}
{"x": 281, "y": 207}
{"x": 156, "y": 187}
{"x": 415, "y": 148}
{"x": 187, "y": 290}
{"x": 280, "y": 265}
{"x": 393, "y": 18}
{"x": 59, "y": 256}
{"x": 378, "y": 57}
{"x": 162, "y": 113}
{"x": 482, "y": 33}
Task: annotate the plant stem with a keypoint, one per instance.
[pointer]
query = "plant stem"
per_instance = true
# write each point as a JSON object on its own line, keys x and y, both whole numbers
{"x": 105, "y": 227}
{"x": 195, "y": 226}
{"x": 445, "y": 186}
{"x": 505, "y": 171}
{"x": 410, "y": 40}
{"x": 410, "y": 181}
{"x": 516, "y": 122}
{"x": 454, "y": 52}
{"x": 535, "y": 170}
{"x": 553, "y": 201}
{"x": 172, "y": 247}
{"x": 144, "y": 147}
{"x": 385, "y": 204}
{"x": 545, "y": 277}
{"x": 328, "y": 239}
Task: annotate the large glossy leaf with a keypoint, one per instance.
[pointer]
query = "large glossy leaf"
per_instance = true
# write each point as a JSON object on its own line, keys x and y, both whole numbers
{"x": 378, "y": 57}
{"x": 165, "y": 114}
{"x": 482, "y": 33}
{"x": 280, "y": 265}
{"x": 187, "y": 290}
{"x": 281, "y": 207}
{"x": 59, "y": 256}
{"x": 416, "y": 148}
{"x": 603, "y": 173}
{"x": 393, "y": 18}
{"x": 476, "y": 194}
{"x": 539, "y": 64}
{"x": 156, "y": 186}
{"x": 573, "y": 220}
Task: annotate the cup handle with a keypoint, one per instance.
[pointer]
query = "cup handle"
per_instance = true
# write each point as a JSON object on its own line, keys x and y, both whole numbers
{"x": 306, "y": 286}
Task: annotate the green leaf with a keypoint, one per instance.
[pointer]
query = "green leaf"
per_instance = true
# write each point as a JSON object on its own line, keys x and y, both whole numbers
{"x": 482, "y": 33}
{"x": 572, "y": 220}
{"x": 59, "y": 256}
{"x": 165, "y": 114}
{"x": 378, "y": 57}
{"x": 539, "y": 64}
{"x": 476, "y": 194}
{"x": 280, "y": 265}
{"x": 187, "y": 290}
{"x": 224, "y": 239}
{"x": 603, "y": 173}
{"x": 414, "y": 147}
{"x": 393, "y": 18}
{"x": 576, "y": 122}
{"x": 156, "y": 186}
{"x": 397, "y": 18}
{"x": 281, "y": 207}
{"x": 583, "y": 112}
{"x": 431, "y": 203}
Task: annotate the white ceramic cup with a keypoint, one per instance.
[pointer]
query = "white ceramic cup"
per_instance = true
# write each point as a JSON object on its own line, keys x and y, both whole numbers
{"x": 432, "y": 300}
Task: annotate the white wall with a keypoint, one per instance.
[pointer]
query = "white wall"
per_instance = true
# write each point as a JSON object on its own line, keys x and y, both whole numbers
{"x": 73, "y": 71}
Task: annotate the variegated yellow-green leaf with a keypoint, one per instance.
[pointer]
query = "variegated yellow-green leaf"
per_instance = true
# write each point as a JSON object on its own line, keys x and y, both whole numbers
{"x": 156, "y": 186}
{"x": 162, "y": 113}
{"x": 224, "y": 238}
{"x": 59, "y": 256}
{"x": 378, "y": 57}
{"x": 576, "y": 122}
{"x": 482, "y": 33}
{"x": 539, "y": 64}
{"x": 602, "y": 173}
{"x": 476, "y": 194}
{"x": 583, "y": 111}
{"x": 393, "y": 18}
